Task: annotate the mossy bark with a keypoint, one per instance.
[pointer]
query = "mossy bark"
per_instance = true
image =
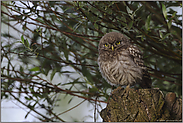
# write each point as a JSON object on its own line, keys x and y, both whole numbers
{"x": 141, "y": 105}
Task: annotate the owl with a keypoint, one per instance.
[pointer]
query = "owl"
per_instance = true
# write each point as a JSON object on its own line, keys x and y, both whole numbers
{"x": 121, "y": 63}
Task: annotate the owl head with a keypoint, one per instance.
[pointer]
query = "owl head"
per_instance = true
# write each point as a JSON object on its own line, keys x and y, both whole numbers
{"x": 112, "y": 42}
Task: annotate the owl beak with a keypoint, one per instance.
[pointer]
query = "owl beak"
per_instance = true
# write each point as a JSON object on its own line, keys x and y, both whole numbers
{"x": 112, "y": 48}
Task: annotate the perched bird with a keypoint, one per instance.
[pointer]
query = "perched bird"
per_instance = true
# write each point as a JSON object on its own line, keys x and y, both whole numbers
{"x": 120, "y": 62}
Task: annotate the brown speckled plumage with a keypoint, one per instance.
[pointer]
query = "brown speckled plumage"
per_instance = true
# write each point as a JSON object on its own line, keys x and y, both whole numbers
{"x": 120, "y": 62}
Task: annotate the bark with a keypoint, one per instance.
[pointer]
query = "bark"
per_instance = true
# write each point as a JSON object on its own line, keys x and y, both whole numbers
{"x": 142, "y": 105}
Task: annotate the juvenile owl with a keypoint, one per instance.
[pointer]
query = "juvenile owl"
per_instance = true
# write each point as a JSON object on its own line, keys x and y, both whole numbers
{"x": 120, "y": 62}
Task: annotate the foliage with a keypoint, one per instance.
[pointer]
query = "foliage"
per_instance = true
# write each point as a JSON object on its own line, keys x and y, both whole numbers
{"x": 62, "y": 38}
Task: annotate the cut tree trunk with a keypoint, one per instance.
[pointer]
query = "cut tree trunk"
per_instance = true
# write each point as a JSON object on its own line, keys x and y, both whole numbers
{"x": 142, "y": 105}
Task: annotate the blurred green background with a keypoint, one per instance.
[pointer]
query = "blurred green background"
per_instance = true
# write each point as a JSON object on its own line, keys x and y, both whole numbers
{"x": 49, "y": 53}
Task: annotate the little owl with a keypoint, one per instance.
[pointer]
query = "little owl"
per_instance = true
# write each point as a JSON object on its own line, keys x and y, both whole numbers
{"x": 120, "y": 62}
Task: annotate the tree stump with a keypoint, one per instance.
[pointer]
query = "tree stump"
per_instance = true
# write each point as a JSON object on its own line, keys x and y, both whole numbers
{"x": 141, "y": 105}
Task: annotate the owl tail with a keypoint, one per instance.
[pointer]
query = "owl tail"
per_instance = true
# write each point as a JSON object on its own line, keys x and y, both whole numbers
{"x": 146, "y": 80}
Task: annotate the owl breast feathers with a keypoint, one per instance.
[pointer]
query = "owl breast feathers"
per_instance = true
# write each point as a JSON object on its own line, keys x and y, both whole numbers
{"x": 120, "y": 62}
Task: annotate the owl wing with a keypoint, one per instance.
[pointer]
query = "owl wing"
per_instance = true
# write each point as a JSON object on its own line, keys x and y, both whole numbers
{"x": 136, "y": 55}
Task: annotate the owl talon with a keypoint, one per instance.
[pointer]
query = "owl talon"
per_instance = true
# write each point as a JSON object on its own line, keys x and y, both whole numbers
{"x": 127, "y": 89}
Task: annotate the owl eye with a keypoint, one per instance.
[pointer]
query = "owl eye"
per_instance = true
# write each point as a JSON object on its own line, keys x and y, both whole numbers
{"x": 106, "y": 45}
{"x": 118, "y": 42}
